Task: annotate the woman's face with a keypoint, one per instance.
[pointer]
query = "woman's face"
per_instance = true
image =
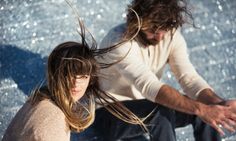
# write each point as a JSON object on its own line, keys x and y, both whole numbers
{"x": 80, "y": 86}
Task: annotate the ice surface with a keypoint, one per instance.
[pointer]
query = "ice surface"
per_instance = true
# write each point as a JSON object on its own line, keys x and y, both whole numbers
{"x": 31, "y": 29}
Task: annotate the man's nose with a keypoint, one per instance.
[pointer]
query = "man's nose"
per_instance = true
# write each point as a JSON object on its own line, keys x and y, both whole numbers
{"x": 161, "y": 34}
{"x": 150, "y": 36}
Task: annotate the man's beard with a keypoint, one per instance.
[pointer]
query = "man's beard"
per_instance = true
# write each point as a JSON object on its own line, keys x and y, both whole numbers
{"x": 147, "y": 42}
{"x": 152, "y": 41}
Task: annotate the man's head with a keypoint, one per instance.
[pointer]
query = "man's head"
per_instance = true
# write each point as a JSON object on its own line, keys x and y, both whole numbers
{"x": 157, "y": 17}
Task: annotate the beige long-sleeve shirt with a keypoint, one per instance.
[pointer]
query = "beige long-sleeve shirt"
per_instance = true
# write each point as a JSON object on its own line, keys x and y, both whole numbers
{"x": 41, "y": 122}
{"x": 138, "y": 75}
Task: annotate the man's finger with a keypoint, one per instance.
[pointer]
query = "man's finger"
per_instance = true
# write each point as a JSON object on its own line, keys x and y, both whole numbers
{"x": 227, "y": 126}
{"x": 218, "y": 128}
{"x": 231, "y": 123}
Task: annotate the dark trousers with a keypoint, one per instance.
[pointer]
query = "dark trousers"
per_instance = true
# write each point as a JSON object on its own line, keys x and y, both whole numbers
{"x": 161, "y": 123}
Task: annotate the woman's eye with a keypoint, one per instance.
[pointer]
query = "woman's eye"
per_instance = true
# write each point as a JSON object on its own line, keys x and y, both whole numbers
{"x": 83, "y": 77}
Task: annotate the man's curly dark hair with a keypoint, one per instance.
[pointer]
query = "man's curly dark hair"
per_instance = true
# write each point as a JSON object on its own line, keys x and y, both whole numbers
{"x": 156, "y": 14}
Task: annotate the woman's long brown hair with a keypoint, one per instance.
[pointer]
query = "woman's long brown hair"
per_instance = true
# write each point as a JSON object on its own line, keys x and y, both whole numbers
{"x": 65, "y": 62}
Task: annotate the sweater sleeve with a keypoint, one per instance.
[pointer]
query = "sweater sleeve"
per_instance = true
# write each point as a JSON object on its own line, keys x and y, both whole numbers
{"x": 191, "y": 82}
{"x": 134, "y": 70}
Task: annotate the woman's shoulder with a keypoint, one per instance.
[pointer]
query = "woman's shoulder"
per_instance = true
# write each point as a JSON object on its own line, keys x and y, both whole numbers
{"x": 40, "y": 121}
{"x": 46, "y": 113}
{"x": 47, "y": 106}
{"x": 50, "y": 120}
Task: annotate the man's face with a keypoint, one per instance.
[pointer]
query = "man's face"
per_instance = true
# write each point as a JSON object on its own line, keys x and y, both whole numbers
{"x": 154, "y": 37}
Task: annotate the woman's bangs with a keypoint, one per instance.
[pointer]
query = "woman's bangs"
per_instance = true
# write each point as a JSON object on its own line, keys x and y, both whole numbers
{"x": 81, "y": 67}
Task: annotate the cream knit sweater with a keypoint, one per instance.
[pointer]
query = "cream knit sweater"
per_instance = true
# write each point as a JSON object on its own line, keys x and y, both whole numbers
{"x": 41, "y": 122}
{"x": 138, "y": 75}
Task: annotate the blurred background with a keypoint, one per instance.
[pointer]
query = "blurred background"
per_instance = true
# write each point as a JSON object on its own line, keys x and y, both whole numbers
{"x": 30, "y": 29}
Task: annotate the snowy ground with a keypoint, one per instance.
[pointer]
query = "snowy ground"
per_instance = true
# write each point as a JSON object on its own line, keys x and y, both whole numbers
{"x": 30, "y": 29}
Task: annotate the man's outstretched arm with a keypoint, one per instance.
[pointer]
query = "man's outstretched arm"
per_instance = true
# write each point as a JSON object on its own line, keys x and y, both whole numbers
{"x": 213, "y": 115}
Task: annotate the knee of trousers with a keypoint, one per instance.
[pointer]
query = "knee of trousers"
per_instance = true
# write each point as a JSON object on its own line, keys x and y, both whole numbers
{"x": 162, "y": 129}
{"x": 163, "y": 121}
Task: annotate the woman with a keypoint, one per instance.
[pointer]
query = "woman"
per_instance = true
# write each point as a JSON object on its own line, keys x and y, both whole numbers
{"x": 67, "y": 102}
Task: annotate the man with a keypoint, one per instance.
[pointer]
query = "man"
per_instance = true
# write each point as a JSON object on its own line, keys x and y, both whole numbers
{"x": 143, "y": 46}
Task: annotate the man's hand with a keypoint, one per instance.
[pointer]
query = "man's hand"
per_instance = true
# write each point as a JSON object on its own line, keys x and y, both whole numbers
{"x": 212, "y": 109}
{"x": 219, "y": 116}
{"x": 221, "y": 113}
{"x": 231, "y": 104}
